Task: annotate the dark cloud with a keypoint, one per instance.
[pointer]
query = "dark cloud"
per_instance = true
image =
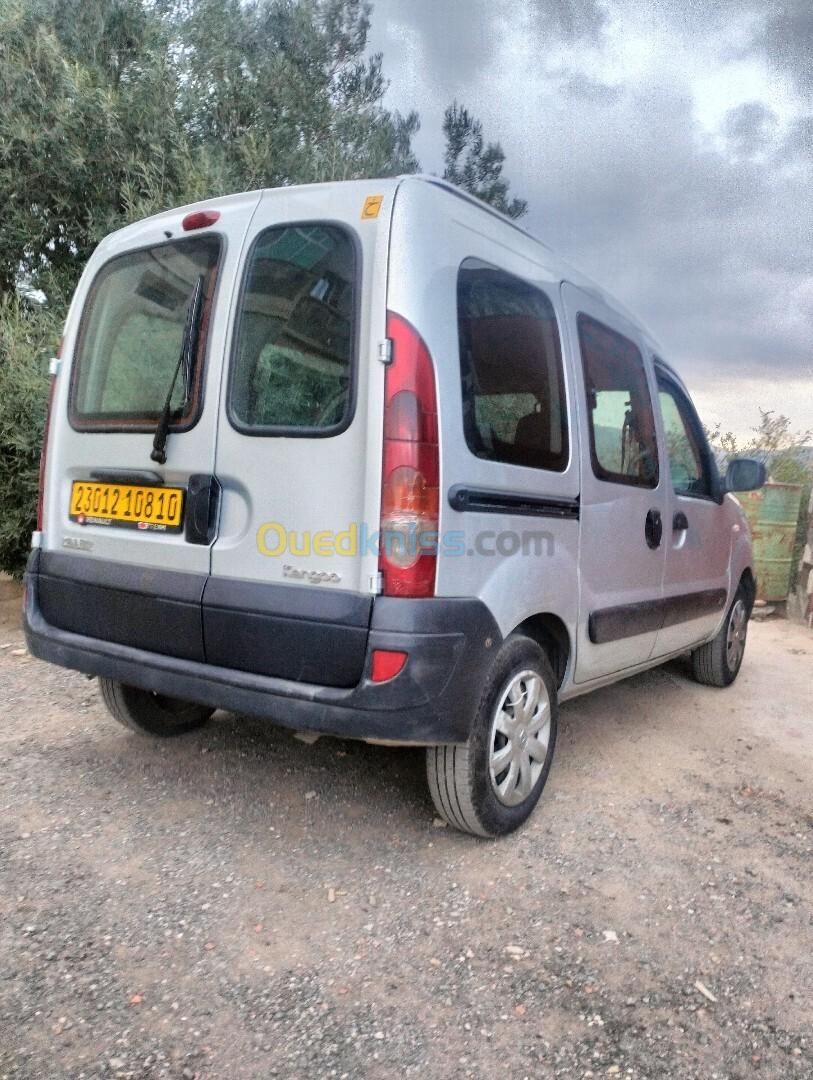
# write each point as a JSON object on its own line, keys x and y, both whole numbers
{"x": 705, "y": 235}
{"x": 459, "y": 39}
{"x": 568, "y": 20}
{"x": 798, "y": 143}
{"x": 787, "y": 38}
{"x": 751, "y": 128}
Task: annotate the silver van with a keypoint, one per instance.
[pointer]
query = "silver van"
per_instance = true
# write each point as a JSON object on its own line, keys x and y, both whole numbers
{"x": 367, "y": 459}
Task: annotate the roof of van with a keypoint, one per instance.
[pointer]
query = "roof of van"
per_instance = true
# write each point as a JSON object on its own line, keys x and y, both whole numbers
{"x": 576, "y": 277}
{"x": 568, "y": 272}
{"x": 448, "y": 190}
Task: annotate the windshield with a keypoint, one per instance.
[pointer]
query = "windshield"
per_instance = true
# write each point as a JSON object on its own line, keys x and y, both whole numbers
{"x": 132, "y": 332}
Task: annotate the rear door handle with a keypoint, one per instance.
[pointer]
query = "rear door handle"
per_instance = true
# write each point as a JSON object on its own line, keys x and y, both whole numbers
{"x": 202, "y": 506}
{"x": 680, "y": 523}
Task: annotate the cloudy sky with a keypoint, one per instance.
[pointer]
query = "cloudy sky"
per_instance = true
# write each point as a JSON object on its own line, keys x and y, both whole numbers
{"x": 665, "y": 148}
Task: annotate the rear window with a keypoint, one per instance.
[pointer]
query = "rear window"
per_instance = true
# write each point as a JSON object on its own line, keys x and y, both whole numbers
{"x": 132, "y": 332}
{"x": 292, "y": 367}
{"x": 511, "y": 370}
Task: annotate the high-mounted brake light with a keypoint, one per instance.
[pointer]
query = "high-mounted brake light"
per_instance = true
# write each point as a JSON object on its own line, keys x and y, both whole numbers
{"x": 200, "y": 219}
{"x": 44, "y": 449}
{"x": 411, "y": 467}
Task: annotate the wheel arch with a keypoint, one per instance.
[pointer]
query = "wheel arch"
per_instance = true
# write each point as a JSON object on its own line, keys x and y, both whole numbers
{"x": 749, "y": 584}
{"x": 551, "y": 634}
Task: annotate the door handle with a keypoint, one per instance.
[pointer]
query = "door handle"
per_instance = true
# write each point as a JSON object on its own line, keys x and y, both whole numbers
{"x": 680, "y": 523}
{"x": 202, "y": 506}
{"x": 653, "y": 528}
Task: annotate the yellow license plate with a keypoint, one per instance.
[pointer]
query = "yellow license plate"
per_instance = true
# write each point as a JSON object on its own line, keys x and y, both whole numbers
{"x": 154, "y": 509}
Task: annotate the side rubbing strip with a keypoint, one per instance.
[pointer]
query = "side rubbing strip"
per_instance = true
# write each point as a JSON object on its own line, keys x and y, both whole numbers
{"x": 613, "y": 624}
{"x": 501, "y": 502}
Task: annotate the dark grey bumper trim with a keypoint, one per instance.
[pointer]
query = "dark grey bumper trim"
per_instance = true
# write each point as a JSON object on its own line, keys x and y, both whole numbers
{"x": 431, "y": 701}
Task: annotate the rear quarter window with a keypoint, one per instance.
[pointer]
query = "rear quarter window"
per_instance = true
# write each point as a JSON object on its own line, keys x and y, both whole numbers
{"x": 514, "y": 407}
{"x": 131, "y": 335}
{"x": 292, "y": 367}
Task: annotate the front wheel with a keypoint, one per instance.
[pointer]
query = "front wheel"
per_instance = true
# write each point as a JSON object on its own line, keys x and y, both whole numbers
{"x": 717, "y": 663}
{"x": 489, "y": 785}
{"x": 149, "y": 713}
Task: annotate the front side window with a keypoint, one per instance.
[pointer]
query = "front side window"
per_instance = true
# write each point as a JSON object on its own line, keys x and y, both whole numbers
{"x": 623, "y": 446}
{"x": 132, "y": 332}
{"x": 292, "y": 365}
{"x": 514, "y": 408}
{"x": 684, "y": 447}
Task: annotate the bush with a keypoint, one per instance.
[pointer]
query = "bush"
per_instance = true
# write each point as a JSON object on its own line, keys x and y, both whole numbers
{"x": 27, "y": 338}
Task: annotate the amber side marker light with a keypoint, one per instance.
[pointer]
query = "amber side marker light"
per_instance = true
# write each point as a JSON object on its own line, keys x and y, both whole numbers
{"x": 200, "y": 219}
{"x": 386, "y": 664}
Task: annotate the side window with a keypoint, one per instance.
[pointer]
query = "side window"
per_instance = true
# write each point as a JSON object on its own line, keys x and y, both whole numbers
{"x": 514, "y": 407}
{"x": 684, "y": 447}
{"x": 292, "y": 366}
{"x": 623, "y": 446}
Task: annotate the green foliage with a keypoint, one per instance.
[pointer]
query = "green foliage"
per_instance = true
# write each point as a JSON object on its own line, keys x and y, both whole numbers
{"x": 88, "y": 128}
{"x": 787, "y": 454}
{"x": 475, "y": 165}
{"x": 117, "y": 109}
{"x": 281, "y": 92}
{"x": 26, "y": 342}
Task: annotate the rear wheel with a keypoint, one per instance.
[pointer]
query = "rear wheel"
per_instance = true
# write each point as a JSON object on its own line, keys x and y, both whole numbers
{"x": 489, "y": 785}
{"x": 717, "y": 663}
{"x": 149, "y": 713}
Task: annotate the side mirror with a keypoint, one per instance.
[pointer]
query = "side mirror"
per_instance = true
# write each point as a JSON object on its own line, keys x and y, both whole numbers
{"x": 744, "y": 474}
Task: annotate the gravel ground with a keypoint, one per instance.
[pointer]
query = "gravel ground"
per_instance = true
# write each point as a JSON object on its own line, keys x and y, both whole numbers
{"x": 236, "y": 904}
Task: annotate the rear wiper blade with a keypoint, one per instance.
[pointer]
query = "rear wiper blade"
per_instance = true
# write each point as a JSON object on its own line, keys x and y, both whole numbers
{"x": 185, "y": 360}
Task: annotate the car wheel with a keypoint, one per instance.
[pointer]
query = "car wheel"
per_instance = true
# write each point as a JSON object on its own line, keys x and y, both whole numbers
{"x": 717, "y": 663}
{"x": 489, "y": 785}
{"x": 149, "y": 713}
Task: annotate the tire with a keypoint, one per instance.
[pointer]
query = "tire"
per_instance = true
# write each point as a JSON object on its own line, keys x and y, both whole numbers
{"x": 151, "y": 714}
{"x": 717, "y": 663}
{"x": 471, "y": 784}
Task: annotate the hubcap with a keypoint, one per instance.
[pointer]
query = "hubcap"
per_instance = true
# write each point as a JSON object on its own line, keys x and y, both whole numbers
{"x": 735, "y": 636}
{"x": 520, "y": 733}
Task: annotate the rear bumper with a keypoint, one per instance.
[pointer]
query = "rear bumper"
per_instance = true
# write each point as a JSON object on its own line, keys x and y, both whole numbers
{"x": 449, "y": 641}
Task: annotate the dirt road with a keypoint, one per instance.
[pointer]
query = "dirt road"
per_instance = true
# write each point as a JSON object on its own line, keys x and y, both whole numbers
{"x": 237, "y": 905}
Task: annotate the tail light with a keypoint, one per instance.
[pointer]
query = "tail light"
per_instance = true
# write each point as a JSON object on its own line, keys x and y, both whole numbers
{"x": 44, "y": 449}
{"x": 411, "y": 467}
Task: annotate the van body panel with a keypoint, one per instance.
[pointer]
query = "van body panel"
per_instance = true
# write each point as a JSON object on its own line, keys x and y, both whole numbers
{"x": 423, "y": 289}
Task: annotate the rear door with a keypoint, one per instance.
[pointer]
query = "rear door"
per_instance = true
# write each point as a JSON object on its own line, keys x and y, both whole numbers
{"x": 105, "y": 496}
{"x": 294, "y": 565}
{"x": 623, "y": 495}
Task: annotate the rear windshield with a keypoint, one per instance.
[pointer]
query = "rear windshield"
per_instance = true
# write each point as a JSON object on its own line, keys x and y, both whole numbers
{"x": 132, "y": 333}
{"x": 292, "y": 367}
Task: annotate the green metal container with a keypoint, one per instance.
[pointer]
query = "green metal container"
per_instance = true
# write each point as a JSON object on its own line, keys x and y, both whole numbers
{"x": 773, "y": 514}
